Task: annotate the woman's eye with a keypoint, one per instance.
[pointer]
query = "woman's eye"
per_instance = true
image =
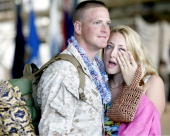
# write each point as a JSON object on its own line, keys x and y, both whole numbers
{"x": 109, "y": 46}
{"x": 121, "y": 49}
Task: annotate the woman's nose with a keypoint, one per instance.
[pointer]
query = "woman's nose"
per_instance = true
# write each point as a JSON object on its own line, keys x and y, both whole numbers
{"x": 114, "y": 53}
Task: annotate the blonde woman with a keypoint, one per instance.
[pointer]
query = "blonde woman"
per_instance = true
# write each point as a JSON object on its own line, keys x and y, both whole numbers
{"x": 137, "y": 90}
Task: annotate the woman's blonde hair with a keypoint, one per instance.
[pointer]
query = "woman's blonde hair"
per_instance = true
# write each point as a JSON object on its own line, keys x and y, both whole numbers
{"x": 134, "y": 45}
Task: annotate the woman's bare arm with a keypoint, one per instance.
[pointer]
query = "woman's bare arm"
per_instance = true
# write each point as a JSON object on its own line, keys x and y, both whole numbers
{"x": 155, "y": 92}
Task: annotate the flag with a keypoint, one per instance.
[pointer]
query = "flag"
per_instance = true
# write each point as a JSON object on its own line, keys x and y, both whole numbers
{"x": 33, "y": 41}
{"x": 18, "y": 63}
{"x": 68, "y": 27}
{"x": 55, "y": 31}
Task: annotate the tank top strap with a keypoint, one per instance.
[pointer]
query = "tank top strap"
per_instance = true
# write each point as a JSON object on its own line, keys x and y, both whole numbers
{"x": 146, "y": 78}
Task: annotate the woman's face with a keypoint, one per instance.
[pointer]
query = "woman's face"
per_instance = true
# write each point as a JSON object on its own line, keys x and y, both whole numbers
{"x": 115, "y": 44}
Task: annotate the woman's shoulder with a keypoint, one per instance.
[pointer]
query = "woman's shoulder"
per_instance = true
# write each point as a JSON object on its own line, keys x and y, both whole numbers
{"x": 152, "y": 82}
{"x": 155, "y": 81}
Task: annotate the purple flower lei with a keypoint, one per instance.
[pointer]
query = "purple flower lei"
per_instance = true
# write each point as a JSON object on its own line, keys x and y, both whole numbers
{"x": 101, "y": 83}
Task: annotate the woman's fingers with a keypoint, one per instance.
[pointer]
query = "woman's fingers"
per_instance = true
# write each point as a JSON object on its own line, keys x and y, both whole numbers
{"x": 120, "y": 63}
{"x": 127, "y": 65}
{"x": 131, "y": 58}
{"x": 122, "y": 59}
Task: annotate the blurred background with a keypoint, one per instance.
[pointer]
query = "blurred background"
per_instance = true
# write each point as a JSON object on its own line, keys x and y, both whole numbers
{"x": 33, "y": 31}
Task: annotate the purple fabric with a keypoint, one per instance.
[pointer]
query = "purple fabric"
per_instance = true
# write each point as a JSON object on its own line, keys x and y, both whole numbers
{"x": 145, "y": 123}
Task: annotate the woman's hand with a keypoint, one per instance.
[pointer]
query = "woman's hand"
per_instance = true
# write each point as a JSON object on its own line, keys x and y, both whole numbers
{"x": 127, "y": 65}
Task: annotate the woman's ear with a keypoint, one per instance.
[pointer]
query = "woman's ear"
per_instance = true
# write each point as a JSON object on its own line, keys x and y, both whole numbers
{"x": 77, "y": 27}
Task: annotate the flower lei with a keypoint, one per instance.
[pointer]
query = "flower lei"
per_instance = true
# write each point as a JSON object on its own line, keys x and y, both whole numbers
{"x": 101, "y": 82}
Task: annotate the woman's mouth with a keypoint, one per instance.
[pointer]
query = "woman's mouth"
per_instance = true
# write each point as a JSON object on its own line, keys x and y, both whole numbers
{"x": 112, "y": 64}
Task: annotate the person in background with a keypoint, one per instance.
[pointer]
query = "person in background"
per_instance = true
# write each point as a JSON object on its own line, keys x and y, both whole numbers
{"x": 135, "y": 87}
{"x": 63, "y": 110}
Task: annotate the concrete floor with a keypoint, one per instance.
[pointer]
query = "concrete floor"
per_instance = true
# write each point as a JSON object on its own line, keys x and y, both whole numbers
{"x": 165, "y": 121}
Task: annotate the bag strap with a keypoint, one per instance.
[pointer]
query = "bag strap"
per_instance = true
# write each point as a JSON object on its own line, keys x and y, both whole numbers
{"x": 75, "y": 62}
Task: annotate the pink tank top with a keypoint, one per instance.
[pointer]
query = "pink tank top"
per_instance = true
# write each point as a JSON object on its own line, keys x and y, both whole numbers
{"x": 145, "y": 123}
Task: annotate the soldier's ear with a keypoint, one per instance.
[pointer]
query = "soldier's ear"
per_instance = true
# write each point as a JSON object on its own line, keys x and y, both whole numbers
{"x": 77, "y": 27}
